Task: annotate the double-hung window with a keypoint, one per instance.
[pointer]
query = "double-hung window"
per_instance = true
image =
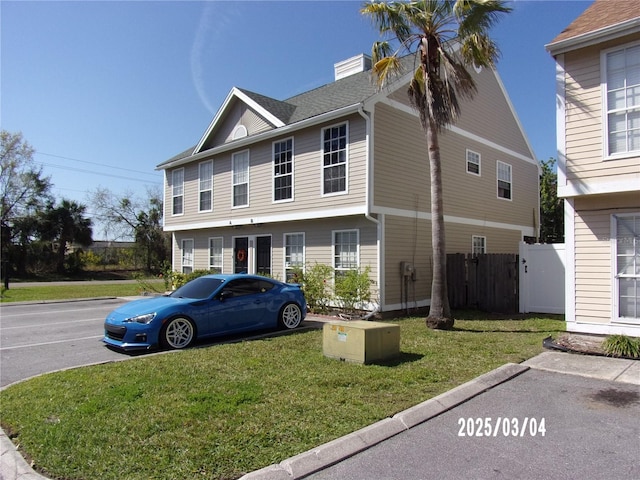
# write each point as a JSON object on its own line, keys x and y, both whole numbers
{"x": 504, "y": 180}
{"x": 283, "y": 170}
{"x": 473, "y": 162}
{"x": 478, "y": 245}
{"x": 626, "y": 244}
{"x": 240, "y": 176}
{"x": 293, "y": 254}
{"x": 334, "y": 159}
{"x": 206, "y": 186}
{"x": 215, "y": 254}
{"x": 345, "y": 251}
{"x": 622, "y": 84}
{"x": 187, "y": 255}
{"x": 177, "y": 191}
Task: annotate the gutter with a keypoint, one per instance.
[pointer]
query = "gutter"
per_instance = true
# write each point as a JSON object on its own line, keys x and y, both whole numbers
{"x": 597, "y": 36}
{"x": 368, "y": 118}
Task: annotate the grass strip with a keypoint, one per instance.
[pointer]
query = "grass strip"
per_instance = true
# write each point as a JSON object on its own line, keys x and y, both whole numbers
{"x": 223, "y": 410}
{"x": 87, "y": 289}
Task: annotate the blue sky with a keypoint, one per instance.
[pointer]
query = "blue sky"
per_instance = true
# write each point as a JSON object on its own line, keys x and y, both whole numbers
{"x": 105, "y": 91}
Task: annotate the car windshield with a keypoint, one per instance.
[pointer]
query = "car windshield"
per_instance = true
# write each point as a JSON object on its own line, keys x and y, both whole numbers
{"x": 199, "y": 288}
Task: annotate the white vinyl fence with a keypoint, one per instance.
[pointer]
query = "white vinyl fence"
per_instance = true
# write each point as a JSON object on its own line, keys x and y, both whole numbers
{"x": 542, "y": 278}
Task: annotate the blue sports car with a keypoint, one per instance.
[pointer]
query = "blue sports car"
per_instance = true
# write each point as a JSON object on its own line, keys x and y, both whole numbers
{"x": 205, "y": 307}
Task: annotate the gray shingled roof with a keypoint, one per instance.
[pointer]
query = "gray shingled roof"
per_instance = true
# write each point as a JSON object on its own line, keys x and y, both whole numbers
{"x": 347, "y": 91}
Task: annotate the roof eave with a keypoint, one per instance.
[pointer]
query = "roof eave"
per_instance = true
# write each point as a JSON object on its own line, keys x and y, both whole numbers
{"x": 594, "y": 37}
{"x": 325, "y": 117}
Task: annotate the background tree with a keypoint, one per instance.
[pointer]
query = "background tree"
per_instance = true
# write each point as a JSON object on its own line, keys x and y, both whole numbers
{"x": 140, "y": 219}
{"x": 551, "y": 207}
{"x": 447, "y": 37}
{"x": 23, "y": 191}
{"x": 63, "y": 226}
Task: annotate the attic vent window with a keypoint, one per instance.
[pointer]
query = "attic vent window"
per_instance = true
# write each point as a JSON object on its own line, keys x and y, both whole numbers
{"x": 239, "y": 132}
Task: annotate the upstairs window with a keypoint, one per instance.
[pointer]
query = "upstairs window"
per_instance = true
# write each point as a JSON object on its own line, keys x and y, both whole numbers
{"x": 473, "y": 162}
{"x": 504, "y": 180}
{"x": 622, "y": 84}
{"x": 206, "y": 186}
{"x": 177, "y": 192}
{"x": 240, "y": 174}
{"x": 283, "y": 170}
{"x": 334, "y": 159}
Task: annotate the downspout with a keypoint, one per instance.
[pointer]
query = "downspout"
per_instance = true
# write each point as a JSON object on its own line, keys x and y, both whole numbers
{"x": 369, "y": 195}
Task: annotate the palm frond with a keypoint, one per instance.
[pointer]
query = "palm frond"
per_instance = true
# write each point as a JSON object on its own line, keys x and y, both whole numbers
{"x": 386, "y": 69}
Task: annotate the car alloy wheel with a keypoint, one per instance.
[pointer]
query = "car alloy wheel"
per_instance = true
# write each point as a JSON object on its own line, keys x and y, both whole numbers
{"x": 178, "y": 333}
{"x": 290, "y": 316}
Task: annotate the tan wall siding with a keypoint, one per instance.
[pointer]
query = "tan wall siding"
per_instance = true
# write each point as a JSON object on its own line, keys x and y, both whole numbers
{"x": 307, "y": 180}
{"x": 593, "y": 254}
{"x": 487, "y": 115}
{"x": 584, "y": 120}
{"x": 407, "y": 240}
{"x": 402, "y": 174}
{"x": 238, "y": 114}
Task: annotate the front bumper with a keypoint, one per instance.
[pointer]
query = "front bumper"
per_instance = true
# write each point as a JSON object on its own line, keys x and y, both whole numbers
{"x": 130, "y": 337}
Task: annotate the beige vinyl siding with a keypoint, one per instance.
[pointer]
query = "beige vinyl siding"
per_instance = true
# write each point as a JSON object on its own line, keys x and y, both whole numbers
{"x": 584, "y": 120}
{"x": 487, "y": 115}
{"x": 307, "y": 180}
{"x": 497, "y": 240}
{"x": 402, "y": 174}
{"x": 407, "y": 240}
{"x": 593, "y": 254}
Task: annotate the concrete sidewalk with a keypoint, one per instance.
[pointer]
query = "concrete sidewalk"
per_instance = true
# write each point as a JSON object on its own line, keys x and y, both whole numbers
{"x": 343, "y": 458}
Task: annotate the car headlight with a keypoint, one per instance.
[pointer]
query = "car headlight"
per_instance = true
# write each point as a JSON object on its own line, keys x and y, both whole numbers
{"x": 146, "y": 318}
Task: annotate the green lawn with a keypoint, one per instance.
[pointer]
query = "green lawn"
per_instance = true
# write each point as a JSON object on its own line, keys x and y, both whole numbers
{"x": 222, "y": 410}
{"x": 87, "y": 289}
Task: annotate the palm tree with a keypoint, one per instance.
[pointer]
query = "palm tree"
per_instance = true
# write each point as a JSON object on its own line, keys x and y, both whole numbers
{"x": 446, "y": 37}
{"x": 66, "y": 224}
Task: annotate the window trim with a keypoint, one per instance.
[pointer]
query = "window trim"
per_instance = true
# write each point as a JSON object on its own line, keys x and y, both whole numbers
{"x": 604, "y": 99}
{"x": 211, "y": 265}
{"x": 173, "y": 192}
{"x": 468, "y": 151}
{"x": 484, "y": 244}
{"x": 200, "y": 190}
{"x": 615, "y": 286}
{"x": 346, "y": 160}
{"x": 182, "y": 254}
{"x": 333, "y": 248}
{"x": 273, "y": 170}
{"x": 498, "y": 163}
{"x": 233, "y": 184}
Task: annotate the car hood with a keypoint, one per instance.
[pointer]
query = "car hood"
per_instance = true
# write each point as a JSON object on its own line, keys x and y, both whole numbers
{"x": 146, "y": 305}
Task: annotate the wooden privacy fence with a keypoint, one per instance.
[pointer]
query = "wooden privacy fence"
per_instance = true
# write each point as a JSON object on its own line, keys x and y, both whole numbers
{"x": 488, "y": 282}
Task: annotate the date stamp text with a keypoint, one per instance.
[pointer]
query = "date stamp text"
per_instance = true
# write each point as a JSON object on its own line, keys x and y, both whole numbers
{"x": 504, "y": 427}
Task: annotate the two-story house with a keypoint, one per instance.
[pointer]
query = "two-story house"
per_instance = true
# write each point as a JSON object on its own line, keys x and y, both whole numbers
{"x": 598, "y": 117}
{"x": 339, "y": 175}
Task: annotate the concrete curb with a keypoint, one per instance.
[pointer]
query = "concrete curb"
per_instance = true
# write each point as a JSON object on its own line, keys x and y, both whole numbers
{"x": 12, "y": 464}
{"x": 316, "y": 459}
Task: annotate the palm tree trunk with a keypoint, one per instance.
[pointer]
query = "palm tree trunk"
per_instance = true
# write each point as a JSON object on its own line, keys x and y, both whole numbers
{"x": 439, "y": 312}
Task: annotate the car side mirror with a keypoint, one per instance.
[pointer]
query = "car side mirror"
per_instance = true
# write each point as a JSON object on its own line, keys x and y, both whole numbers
{"x": 225, "y": 294}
